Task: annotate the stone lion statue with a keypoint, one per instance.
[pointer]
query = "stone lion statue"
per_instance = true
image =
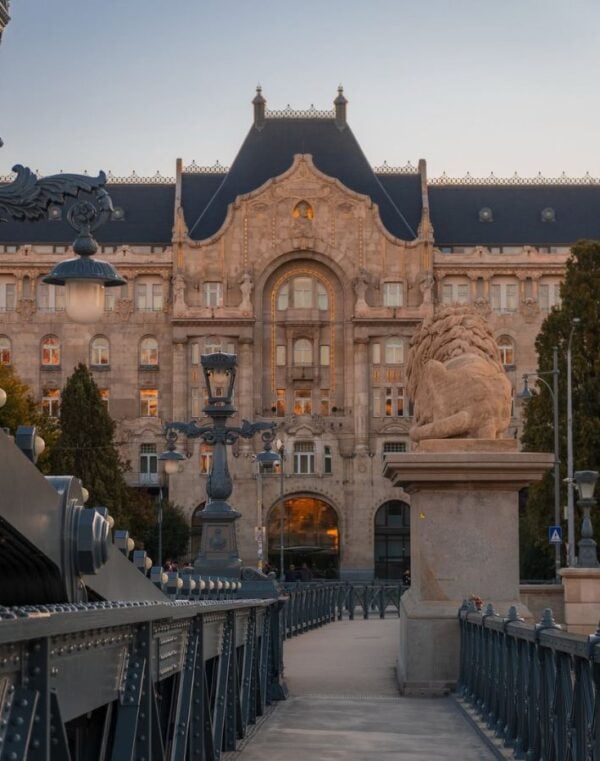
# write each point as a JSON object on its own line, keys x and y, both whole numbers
{"x": 455, "y": 378}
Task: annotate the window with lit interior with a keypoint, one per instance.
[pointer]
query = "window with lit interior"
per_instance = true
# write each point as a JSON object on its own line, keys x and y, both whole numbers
{"x": 149, "y": 352}
{"x": 99, "y": 352}
{"x": 50, "y": 352}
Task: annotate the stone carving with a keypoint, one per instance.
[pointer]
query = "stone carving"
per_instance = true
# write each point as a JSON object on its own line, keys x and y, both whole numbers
{"x": 361, "y": 283}
{"x": 456, "y": 379}
{"x": 426, "y": 287}
{"x": 26, "y": 308}
{"x": 179, "y": 304}
{"x": 124, "y": 309}
{"x": 246, "y": 287}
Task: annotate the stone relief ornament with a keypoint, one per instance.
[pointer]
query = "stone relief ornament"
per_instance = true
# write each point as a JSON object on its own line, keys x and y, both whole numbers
{"x": 26, "y": 308}
{"x": 426, "y": 287}
{"x": 361, "y": 283}
{"x": 456, "y": 379}
{"x": 179, "y": 304}
{"x": 246, "y": 286}
{"x": 482, "y": 305}
{"x": 124, "y": 309}
{"x": 529, "y": 308}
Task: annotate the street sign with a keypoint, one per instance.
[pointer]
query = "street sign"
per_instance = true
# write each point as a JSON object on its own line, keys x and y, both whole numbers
{"x": 555, "y": 534}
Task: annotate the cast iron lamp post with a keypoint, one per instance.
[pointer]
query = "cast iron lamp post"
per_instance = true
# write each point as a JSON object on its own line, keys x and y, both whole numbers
{"x": 281, "y": 451}
{"x": 265, "y": 458}
{"x": 526, "y": 394}
{"x": 218, "y": 546}
{"x": 585, "y": 481}
{"x": 28, "y": 197}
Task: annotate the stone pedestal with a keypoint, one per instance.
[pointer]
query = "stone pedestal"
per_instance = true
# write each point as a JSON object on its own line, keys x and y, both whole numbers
{"x": 582, "y": 599}
{"x": 464, "y": 542}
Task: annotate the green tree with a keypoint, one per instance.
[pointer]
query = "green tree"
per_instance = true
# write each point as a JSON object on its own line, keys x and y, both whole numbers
{"x": 21, "y": 409}
{"x": 580, "y": 297}
{"x": 175, "y": 535}
{"x": 86, "y": 448}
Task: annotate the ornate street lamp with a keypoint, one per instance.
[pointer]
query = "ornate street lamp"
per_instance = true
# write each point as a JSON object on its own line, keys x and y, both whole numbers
{"x": 218, "y": 553}
{"x": 585, "y": 482}
{"x": 265, "y": 460}
{"x": 28, "y": 197}
{"x": 171, "y": 457}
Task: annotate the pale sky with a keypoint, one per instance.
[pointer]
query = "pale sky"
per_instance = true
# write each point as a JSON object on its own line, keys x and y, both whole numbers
{"x": 470, "y": 85}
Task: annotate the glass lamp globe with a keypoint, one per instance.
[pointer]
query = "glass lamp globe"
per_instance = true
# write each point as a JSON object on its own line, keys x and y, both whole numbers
{"x": 84, "y": 300}
{"x": 171, "y": 467}
{"x": 39, "y": 445}
{"x": 3, "y": 397}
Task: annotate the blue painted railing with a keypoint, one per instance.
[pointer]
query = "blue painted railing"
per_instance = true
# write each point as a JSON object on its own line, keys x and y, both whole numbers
{"x": 535, "y": 686}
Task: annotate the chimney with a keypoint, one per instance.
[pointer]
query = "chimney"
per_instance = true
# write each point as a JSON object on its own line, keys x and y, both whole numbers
{"x": 340, "y": 108}
{"x": 259, "y": 104}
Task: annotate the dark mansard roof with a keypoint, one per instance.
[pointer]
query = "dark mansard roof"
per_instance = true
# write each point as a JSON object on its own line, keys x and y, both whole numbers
{"x": 269, "y": 151}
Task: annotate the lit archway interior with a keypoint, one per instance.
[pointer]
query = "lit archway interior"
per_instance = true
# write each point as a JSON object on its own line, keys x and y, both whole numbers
{"x": 310, "y": 535}
{"x": 392, "y": 540}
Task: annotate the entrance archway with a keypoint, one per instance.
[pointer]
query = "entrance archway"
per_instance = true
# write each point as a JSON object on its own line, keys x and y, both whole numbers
{"x": 392, "y": 540}
{"x": 310, "y": 535}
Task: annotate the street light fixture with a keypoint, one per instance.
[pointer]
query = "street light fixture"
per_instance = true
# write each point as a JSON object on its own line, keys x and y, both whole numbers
{"x": 570, "y": 497}
{"x": 526, "y": 394}
{"x": 170, "y": 456}
{"x": 266, "y": 458}
{"x": 281, "y": 451}
{"x": 585, "y": 481}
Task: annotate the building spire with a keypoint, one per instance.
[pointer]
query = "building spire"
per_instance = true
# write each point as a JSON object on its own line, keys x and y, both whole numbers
{"x": 259, "y": 104}
{"x": 340, "y": 108}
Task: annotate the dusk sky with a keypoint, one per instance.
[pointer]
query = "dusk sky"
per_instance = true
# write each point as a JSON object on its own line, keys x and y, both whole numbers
{"x": 470, "y": 85}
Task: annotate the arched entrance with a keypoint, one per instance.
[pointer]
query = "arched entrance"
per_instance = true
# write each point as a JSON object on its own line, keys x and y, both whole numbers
{"x": 196, "y": 532}
{"x": 392, "y": 540}
{"x": 310, "y": 535}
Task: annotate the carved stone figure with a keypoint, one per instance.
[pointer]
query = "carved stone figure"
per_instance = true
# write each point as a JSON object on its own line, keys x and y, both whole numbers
{"x": 456, "y": 379}
{"x": 361, "y": 284}
{"x": 426, "y": 287}
{"x": 246, "y": 287}
{"x": 179, "y": 293}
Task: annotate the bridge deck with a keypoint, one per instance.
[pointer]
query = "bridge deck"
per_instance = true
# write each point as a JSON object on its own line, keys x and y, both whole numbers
{"x": 344, "y": 704}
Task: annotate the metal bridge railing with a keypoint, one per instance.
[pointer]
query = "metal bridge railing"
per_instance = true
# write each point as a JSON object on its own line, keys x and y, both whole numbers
{"x": 313, "y": 604}
{"x": 536, "y": 686}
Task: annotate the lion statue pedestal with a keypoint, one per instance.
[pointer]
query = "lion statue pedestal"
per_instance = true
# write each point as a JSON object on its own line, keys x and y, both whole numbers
{"x": 464, "y": 481}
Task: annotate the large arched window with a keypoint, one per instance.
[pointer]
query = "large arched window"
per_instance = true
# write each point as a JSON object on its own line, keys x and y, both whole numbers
{"x": 394, "y": 351}
{"x": 99, "y": 352}
{"x": 5, "y": 350}
{"x": 50, "y": 351}
{"x": 149, "y": 351}
{"x": 303, "y": 352}
{"x": 506, "y": 348}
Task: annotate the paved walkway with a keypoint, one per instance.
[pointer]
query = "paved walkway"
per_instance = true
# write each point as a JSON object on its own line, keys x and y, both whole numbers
{"x": 344, "y": 704}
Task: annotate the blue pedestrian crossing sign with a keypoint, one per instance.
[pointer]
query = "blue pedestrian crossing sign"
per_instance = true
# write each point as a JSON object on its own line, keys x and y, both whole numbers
{"x": 555, "y": 534}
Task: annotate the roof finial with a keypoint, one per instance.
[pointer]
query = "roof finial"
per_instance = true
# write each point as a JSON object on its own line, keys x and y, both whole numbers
{"x": 340, "y": 108}
{"x": 259, "y": 104}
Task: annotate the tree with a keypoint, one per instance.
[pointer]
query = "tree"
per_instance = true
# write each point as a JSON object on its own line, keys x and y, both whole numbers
{"x": 85, "y": 447}
{"x": 175, "y": 534}
{"x": 580, "y": 297}
{"x": 21, "y": 409}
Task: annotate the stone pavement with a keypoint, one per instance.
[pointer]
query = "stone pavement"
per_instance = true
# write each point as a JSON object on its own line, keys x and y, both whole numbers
{"x": 344, "y": 704}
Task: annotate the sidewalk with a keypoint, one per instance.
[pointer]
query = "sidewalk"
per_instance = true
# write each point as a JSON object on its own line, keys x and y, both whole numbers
{"x": 344, "y": 704}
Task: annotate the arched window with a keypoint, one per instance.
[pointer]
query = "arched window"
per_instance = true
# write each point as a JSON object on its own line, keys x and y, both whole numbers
{"x": 506, "y": 348}
{"x": 50, "y": 356}
{"x": 5, "y": 350}
{"x": 303, "y": 352}
{"x": 303, "y": 210}
{"x": 99, "y": 352}
{"x": 149, "y": 351}
{"x": 394, "y": 351}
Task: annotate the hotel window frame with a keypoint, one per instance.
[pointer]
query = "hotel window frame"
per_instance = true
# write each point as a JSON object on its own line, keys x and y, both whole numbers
{"x": 5, "y": 351}
{"x": 50, "y": 298}
{"x": 393, "y": 293}
{"x": 281, "y": 355}
{"x": 99, "y": 350}
{"x": 304, "y": 458}
{"x": 327, "y": 460}
{"x": 51, "y": 402}
{"x": 506, "y": 349}
{"x": 503, "y": 300}
{"x": 8, "y": 293}
{"x": 148, "y": 463}
{"x": 145, "y": 360}
{"x": 149, "y": 294}
{"x": 302, "y": 401}
{"x": 212, "y": 291}
{"x": 148, "y": 402}
{"x": 280, "y": 402}
{"x": 205, "y": 459}
{"x": 303, "y": 352}
{"x": 552, "y": 298}
{"x": 50, "y": 351}
{"x": 451, "y": 291}
{"x": 394, "y": 350}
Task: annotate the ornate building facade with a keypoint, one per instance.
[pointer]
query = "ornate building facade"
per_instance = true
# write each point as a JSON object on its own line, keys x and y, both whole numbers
{"x": 315, "y": 269}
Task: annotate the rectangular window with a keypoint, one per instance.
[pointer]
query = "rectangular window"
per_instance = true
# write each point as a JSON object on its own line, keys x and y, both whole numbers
{"x": 148, "y": 464}
{"x": 393, "y": 294}
{"x": 376, "y": 353}
{"x": 303, "y": 293}
{"x": 324, "y": 355}
{"x": 105, "y": 396}
{"x": 304, "y": 457}
{"x": 213, "y": 294}
{"x": 197, "y": 399}
{"x": 324, "y": 406}
{"x": 504, "y": 297}
{"x": 283, "y": 297}
{"x": 455, "y": 293}
{"x": 148, "y": 402}
{"x": 50, "y": 298}
{"x": 157, "y": 297}
{"x": 7, "y": 296}
{"x": 206, "y": 456}
{"x": 302, "y": 402}
{"x": 322, "y": 300}
{"x": 400, "y": 401}
{"x": 390, "y": 402}
{"x": 110, "y": 299}
{"x": 141, "y": 303}
{"x": 280, "y": 403}
{"x": 51, "y": 402}
{"x": 327, "y": 461}
{"x": 280, "y": 356}
{"x": 549, "y": 296}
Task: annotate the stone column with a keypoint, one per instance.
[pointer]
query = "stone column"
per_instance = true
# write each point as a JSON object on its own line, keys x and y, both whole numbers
{"x": 245, "y": 391}
{"x": 180, "y": 379}
{"x": 361, "y": 393}
{"x": 582, "y": 599}
{"x": 464, "y": 519}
